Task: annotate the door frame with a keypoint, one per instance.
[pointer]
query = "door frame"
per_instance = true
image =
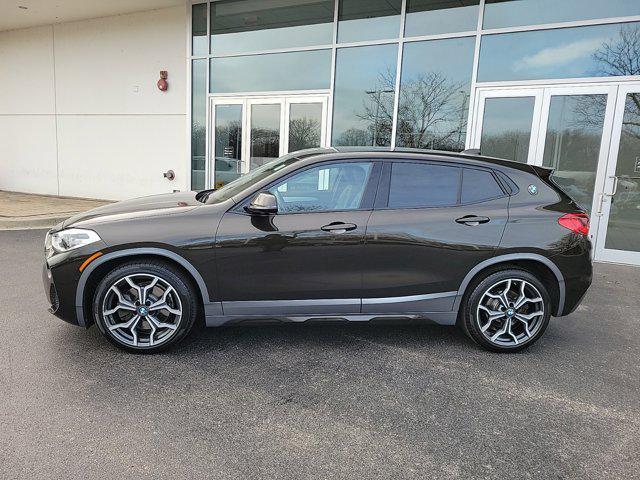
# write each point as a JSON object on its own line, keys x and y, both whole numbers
{"x": 540, "y": 119}
{"x": 609, "y": 184}
{"x": 285, "y": 99}
{"x": 483, "y": 93}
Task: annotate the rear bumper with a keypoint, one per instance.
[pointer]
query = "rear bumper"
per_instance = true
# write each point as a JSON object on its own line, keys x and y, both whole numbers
{"x": 575, "y": 290}
{"x": 577, "y": 269}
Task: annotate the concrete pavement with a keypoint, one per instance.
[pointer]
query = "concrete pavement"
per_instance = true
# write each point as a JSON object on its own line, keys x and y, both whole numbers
{"x": 324, "y": 401}
{"x": 23, "y": 210}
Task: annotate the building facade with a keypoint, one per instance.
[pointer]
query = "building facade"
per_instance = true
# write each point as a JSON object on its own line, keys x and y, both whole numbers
{"x": 548, "y": 82}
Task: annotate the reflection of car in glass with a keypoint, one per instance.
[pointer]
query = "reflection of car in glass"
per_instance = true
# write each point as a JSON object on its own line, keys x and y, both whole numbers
{"x": 489, "y": 244}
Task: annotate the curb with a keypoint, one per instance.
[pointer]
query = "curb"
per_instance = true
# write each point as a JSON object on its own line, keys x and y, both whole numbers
{"x": 30, "y": 223}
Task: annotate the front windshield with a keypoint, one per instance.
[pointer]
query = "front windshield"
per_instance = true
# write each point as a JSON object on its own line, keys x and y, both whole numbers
{"x": 254, "y": 176}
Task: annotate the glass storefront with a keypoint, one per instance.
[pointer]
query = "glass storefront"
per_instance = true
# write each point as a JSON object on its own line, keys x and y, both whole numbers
{"x": 241, "y": 26}
{"x": 435, "y": 87}
{"x": 198, "y": 123}
{"x": 506, "y": 131}
{"x": 578, "y": 52}
{"x": 426, "y": 17}
{"x": 419, "y": 74}
{"x": 507, "y": 13}
{"x": 360, "y": 20}
{"x": 271, "y": 72}
{"x": 364, "y": 95}
{"x": 623, "y": 231}
{"x": 572, "y": 146}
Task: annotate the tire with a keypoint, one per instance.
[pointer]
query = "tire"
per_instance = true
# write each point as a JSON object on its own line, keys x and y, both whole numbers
{"x": 502, "y": 323}
{"x": 158, "y": 295}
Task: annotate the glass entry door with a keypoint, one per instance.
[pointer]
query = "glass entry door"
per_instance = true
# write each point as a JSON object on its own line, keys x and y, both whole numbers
{"x": 567, "y": 128}
{"x": 247, "y": 132}
{"x": 619, "y": 202}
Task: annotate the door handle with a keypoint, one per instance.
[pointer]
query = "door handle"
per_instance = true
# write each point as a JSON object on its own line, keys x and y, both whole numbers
{"x": 472, "y": 220}
{"x": 339, "y": 227}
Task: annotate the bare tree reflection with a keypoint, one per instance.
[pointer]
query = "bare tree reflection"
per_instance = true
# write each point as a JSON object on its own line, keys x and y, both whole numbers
{"x": 304, "y": 133}
{"x": 432, "y": 113}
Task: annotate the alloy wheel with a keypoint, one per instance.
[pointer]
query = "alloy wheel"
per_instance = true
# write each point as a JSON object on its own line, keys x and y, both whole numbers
{"x": 142, "y": 310}
{"x": 510, "y": 312}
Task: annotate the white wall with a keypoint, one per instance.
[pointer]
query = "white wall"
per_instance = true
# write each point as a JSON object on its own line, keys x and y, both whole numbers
{"x": 27, "y": 108}
{"x": 80, "y": 113}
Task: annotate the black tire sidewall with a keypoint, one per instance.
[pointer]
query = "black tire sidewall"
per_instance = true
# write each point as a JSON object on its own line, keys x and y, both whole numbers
{"x": 175, "y": 278}
{"x": 470, "y": 325}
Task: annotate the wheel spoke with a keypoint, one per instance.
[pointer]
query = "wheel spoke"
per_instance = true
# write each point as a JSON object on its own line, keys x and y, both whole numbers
{"x": 146, "y": 288}
{"x": 525, "y": 323}
{"x": 502, "y": 296}
{"x": 163, "y": 299}
{"x": 510, "y": 332}
{"x": 125, "y": 325}
{"x": 502, "y": 331}
{"x": 164, "y": 306}
{"x": 119, "y": 306}
{"x": 153, "y": 330}
{"x": 529, "y": 316}
{"x": 136, "y": 287}
{"x": 121, "y": 300}
{"x": 522, "y": 298}
{"x": 158, "y": 324}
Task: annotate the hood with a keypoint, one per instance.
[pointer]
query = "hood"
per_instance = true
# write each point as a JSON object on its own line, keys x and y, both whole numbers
{"x": 155, "y": 205}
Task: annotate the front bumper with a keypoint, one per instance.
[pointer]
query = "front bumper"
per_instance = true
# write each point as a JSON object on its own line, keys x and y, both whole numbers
{"x": 62, "y": 306}
{"x": 61, "y": 276}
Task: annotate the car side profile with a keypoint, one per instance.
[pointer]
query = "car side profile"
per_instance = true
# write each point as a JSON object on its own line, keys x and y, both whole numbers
{"x": 491, "y": 245}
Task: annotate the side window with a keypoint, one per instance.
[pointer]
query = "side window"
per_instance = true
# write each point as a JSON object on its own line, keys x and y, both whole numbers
{"x": 423, "y": 185}
{"x": 479, "y": 185}
{"x": 328, "y": 187}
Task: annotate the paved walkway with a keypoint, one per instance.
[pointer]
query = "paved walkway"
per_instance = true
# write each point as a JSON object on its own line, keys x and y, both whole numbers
{"x": 22, "y": 210}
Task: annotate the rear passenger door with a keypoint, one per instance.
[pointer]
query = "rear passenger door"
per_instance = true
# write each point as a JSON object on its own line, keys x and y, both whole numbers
{"x": 432, "y": 223}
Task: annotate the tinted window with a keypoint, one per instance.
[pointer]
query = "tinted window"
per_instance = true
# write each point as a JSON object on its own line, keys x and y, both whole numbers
{"x": 507, "y": 13}
{"x": 428, "y": 17}
{"x": 255, "y": 73}
{"x": 199, "y": 40}
{"x": 323, "y": 188}
{"x": 252, "y": 25}
{"x": 590, "y": 51}
{"x": 479, "y": 185}
{"x": 368, "y": 19}
{"x": 418, "y": 185}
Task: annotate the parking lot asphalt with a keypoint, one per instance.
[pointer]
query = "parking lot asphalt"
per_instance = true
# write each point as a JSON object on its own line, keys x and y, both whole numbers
{"x": 322, "y": 401}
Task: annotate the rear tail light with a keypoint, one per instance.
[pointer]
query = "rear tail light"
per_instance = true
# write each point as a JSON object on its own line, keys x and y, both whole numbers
{"x": 576, "y": 222}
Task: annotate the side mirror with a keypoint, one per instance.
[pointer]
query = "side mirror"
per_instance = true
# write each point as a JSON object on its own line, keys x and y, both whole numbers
{"x": 264, "y": 203}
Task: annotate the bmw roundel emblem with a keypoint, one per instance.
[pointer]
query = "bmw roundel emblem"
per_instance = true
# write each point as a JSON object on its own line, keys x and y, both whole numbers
{"x": 532, "y": 189}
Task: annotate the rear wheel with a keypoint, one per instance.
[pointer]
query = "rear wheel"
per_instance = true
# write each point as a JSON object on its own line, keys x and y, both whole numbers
{"x": 144, "y": 306}
{"x": 507, "y": 311}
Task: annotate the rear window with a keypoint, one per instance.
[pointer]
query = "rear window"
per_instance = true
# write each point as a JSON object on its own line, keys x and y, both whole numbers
{"x": 479, "y": 185}
{"x": 423, "y": 185}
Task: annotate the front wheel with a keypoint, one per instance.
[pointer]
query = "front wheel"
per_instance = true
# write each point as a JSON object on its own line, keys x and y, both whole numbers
{"x": 144, "y": 306}
{"x": 507, "y": 311}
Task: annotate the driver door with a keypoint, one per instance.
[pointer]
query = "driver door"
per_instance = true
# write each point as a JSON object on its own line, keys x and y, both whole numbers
{"x": 307, "y": 258}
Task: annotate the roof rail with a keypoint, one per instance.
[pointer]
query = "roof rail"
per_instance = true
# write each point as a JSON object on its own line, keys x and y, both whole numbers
{"x": 471, "y": 151}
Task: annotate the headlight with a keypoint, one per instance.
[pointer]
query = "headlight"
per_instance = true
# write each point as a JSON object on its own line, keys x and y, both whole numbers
{"x": 66, "y": 240}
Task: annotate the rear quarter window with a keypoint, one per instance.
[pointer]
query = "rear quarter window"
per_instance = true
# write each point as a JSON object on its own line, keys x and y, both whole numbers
{"x": 479, "y": 185}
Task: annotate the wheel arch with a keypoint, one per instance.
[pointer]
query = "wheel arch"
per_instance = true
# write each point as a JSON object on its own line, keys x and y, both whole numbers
{"x": 96, "y": 269}
{"x": 541, "y": 266}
